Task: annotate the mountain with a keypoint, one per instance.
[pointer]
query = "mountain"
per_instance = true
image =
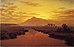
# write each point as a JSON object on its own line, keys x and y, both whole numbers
{"x": 36, "y": 22}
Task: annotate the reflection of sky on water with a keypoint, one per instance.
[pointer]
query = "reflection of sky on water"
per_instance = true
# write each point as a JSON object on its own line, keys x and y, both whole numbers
{"x": 33, "y": 39}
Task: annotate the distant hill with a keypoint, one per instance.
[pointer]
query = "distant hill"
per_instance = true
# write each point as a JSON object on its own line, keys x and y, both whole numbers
{"x": 8, "y": 25}
{"x": 36, "y": 22}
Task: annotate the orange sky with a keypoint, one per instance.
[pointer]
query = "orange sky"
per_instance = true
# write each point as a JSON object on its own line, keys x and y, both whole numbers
{"x": 18, "y": 11}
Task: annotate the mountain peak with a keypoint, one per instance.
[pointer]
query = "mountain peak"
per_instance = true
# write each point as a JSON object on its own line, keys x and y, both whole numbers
{"x": 36, "y": 22}
{"x": 33, "y": 17}
{"x": 36, "y": 18}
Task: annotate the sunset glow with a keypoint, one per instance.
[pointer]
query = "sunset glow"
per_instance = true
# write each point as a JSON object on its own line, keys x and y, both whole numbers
{"x": 44, "y": 9}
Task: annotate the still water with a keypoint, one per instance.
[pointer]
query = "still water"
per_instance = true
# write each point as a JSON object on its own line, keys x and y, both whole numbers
{"x": 33, "y": 39}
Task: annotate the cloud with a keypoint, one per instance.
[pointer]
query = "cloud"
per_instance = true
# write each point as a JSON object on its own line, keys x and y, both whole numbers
{"x": 29, "y": 3}
{"x": 66, "y": 1}
{"x": 65, "y": 13}
{"x": 34, "y": 14}
{"x": 69, "y": 13}
{"x": 67, "y": 16}
{"x": 62, "y": 8}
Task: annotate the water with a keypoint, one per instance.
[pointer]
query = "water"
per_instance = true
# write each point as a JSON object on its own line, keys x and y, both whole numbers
{"x": 32, "y": 39}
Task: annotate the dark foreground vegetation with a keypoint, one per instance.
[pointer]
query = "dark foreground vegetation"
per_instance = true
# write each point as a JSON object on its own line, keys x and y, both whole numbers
{"x": 11, "y": 31}
{"x": 63, "y": 33}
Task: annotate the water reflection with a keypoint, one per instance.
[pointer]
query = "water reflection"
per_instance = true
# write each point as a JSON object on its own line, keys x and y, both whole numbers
{"x": 32, "y": 39}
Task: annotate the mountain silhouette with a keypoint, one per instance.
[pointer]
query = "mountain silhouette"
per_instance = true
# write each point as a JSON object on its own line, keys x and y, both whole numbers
{"x": 36, "y": 22}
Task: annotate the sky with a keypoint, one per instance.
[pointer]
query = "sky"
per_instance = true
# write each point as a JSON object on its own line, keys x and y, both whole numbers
{"x": 44, "y": 9}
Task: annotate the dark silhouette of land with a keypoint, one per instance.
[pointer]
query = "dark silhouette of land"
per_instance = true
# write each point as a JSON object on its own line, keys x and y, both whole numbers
{"x": 10, "y": 31}
{"x": 64, "y": 32}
